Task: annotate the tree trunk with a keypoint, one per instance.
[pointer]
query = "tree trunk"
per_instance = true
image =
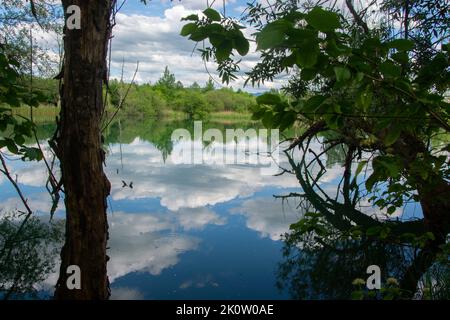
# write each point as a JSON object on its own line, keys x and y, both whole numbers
{"x": 79, "y": 148}
{"x": 435, "y": 203}
{"x": 434, "y": 192}
{"x": 434, "y": 195}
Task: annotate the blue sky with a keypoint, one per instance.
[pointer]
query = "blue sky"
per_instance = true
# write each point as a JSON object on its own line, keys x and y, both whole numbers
{"x": 157, "y": 7}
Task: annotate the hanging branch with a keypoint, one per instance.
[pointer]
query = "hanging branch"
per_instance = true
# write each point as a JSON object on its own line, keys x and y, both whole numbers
{"x": 356, "y": 16}
{"x": 34, "y": 13}
{"x": 123, "y": 100}
{"x": 6, "y": 172}
{"x": 56, "y": 186}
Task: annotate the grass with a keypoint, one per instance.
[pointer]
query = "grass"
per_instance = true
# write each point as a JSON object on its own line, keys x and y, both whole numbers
{"x": 230, "y": 116}
{"x": 47, "y": 113}
{"x": 43, "y": 113}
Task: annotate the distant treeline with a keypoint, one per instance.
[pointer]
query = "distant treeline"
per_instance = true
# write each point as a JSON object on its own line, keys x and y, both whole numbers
{"x": 167, "y": 96}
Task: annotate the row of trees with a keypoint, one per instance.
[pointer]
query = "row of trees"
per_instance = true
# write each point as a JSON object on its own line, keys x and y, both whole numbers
{"x": 168, "y": 94}
{"x": 165, "y": 96}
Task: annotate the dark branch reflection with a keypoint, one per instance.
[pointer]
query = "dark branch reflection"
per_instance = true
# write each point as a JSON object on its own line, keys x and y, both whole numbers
{"x": 335, "y": 242}
{"x": 28, "y": 255}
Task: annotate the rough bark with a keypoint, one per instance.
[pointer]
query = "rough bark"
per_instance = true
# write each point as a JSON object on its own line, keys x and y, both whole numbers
{"x": 434, "y": 193}
{"x": 435, "y": 203}
{"x": 80, "y": 151}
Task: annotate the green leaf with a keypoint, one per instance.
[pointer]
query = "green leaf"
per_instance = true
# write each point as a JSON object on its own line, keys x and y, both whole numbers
{"x": 287, "y": 120}
{"x": 267, "y": 120}
{"x": 192, "y": 17}
{"x": 357, "y": 295}
{"x": 364, "y": 99}
{"x": 373, "y": 231}
{"x": 223, "y": 51}
{"x": 290, "y": 60}
{"x": 313, "y": 103}
{"x": 215, "y": 28}
{"x": 342, "y": 74}
{"x": 404, "y": 85}
{"x": 241, "y": 44}
{"x": 272, "y": 34}
{"x": 392, "y": 135}
{"x": 307, "y": 58}
{"x": 216, "y": 39}
{"x": 301, "y": 37}
{"x": 391, "y": 210}
{"x": 212, "y": 14}
{"x": 323, "y": 20}
{"x": 188, "y": 29}
{"x": 258, "y": 114}
{"x": 361, "y": 166}
{"x": 32, "y": 154}
{"x": 400, "y": 57}
{"x": 401, "y": 44}
{"x": 308, "y": 74}
{"x": 392, "y": 165}
{"x": 19, "y": 139}
{"x": 370, "y": 182}
{"x": 11, "y": 146}
{"x": 390, "y": 69}
{"x": 268, "y": 98}
{"x": 199, "y": 34}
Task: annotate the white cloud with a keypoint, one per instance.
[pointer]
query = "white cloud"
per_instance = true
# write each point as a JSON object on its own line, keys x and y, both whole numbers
{"x": 156, "y": 42}
{"x": 199, "y": 281}
{"x": 144, "y": 243}
{"x": 183, "y": 186}
{"x": 268, "y": 216}
{"x": 198, "y": 218}
{"x": 124, "y": 293}
{"x": 39, "y": 202}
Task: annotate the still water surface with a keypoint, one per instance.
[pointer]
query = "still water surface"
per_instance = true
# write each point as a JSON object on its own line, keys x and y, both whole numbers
{"x": 180, "y": 231}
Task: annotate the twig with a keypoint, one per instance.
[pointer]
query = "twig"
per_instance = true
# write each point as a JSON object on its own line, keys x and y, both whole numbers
{"x": 356, "y": 16}
{"x": 123, "y": 100}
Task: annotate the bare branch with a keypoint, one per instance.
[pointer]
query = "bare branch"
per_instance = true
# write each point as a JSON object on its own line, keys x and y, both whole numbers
{"x": 356, "y": 16}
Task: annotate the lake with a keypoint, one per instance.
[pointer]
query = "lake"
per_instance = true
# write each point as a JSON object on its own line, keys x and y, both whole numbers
{"x": 207, "y": 230}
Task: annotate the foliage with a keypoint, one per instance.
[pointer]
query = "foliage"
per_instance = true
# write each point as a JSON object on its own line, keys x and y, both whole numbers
{"x": 168, "y": 94}
{"x": 28, "y": 251}
{"x": 375, "y": 92}
{"x": 167, "y": 82}
{"x": 225, "y": 35}
{"x": 17, "y": 20}
{"x": 15, "y": 129}
{"x": 354, "y": 90}
{"x": 192, "y": 103}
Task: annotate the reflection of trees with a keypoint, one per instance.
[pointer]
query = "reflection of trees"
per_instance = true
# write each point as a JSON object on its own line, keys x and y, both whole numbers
{"x": 159, "y": 131}
{"x": 335, "y": 243}
{"x": 28, "y": 251}
{"x": 325, "y": 270}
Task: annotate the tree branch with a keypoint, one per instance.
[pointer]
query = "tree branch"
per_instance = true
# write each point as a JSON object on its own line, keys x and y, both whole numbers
{"x": 356, "y": 16}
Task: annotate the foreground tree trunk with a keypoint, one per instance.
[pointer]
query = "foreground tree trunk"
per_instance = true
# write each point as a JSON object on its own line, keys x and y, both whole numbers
{"x": 434, "y": 195}
{"x": 79, "y": 149}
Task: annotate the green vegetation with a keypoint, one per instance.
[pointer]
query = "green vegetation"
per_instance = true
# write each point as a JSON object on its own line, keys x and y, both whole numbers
{"x": 375, "y": 94}
{"x": 166, "y": 98}
{"x": 15, "y": 129}
{"x": 28, "y": 253}
{"x": 169, "y": 97}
